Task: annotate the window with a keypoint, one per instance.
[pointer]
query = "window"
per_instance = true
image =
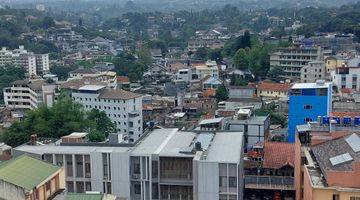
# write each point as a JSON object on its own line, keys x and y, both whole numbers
{"x": 307, "y": 120}
{"x": 308, "y": 107}
{"x": 232, "y": 182}
{"x": 354, "y": 198}
{"x": 137, "y": 188}
{"x": 222, "y": 181}
{"x": 336, "y": 197}
{"x": 131, "y": 124}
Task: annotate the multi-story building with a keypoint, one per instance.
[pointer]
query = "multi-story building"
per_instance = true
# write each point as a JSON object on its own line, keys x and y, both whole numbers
{"x": 35, "y": 64}
{"x": 255, "y": 128}
{"x": 29, "y": 94}
{"x": 307, "y": 101}
{"x": 332, "y": 62}
{"x": 327, "y": 159}
{"x": 347, "y": 76}
{"x": 164, "y": 164}
{"x": 122, "y": 107}
{"x": 335, "y": 42}
{"x": 315, "y": 70}
{"x": 294, "y": 58}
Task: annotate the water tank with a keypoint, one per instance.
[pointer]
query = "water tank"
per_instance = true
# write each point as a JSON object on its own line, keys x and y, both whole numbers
{"x": 357, "y": 120}
{"x": 347, "y": 120}
{"x": 337, "y": 119}
{"x": 326, "y": 120}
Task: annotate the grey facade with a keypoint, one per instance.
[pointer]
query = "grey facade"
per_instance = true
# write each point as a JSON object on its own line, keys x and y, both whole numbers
{"x": 314, "y": 71}
{"x": 165, "y": 164}
{"x": 255, "y": 129}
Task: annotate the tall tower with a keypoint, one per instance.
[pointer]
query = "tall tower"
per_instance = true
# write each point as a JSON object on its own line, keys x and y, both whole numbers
{"x": 307, "y": 101}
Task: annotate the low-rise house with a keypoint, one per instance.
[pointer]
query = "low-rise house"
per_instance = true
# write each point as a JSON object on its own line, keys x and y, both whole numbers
{"x": 272, "y": 90}
{"x": 123, "y": 82}
{"x": 211, "y": 83}
{"x": 27, "y": 178}
{"x": 175, "y": 119}
{"x": 202, "y": 70}
{"x": 248, "y": 91}
{"x": 273, "y": 170}
{"x": 236, "y": 103}
{"x": 255, "y": 128}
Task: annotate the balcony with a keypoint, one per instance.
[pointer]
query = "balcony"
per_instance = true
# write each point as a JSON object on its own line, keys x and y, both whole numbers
{"x": 269, "y": 182}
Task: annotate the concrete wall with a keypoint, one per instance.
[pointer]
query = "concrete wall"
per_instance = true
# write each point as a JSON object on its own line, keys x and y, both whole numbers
{"x": 120, "y": 174}
{"x": 9, "y": 191}
{"x": 207, "y": 180}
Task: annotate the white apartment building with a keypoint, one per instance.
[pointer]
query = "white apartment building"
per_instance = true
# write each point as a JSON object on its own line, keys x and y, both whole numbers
{"x": 202, "y": 70}
{"x": 29, "y": 94}
{"x": 164, "y": 164}
{"x": 294, "y": 58}
{"x": 183, "y": 75}
{"x": 122, "y": 107}
{"x": 347, "y": 76}
{"x": 35, "y": 64}
{"x": 315, "y": 70}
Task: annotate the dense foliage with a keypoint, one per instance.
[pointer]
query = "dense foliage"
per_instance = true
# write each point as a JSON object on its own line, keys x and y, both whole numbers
{"x": 62, "y": 119}
{"x": 275, "y": 117}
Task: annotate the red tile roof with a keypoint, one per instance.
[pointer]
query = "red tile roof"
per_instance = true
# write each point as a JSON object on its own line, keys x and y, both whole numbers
{"x": 123, "y": 79}
{"x": 278, "y": 154}
{"x": 343, "y": 114}
{"x": 268, "y": 86}
{"x": 345, "y": 90}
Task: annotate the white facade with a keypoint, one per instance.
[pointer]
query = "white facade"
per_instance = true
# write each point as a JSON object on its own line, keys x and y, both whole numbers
{"x": 184, "y": 75}
{"x": 346, "y": 77}
{"x": 29, "y": 94}
{"x": 122, "y": 107}
{"x": 34, "y": 64}
{"x": 210, "y": 68}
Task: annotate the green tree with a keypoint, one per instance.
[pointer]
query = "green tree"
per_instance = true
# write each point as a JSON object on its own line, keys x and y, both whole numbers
{"x": 201, "y": 53}
{"x": 96, "y": 136}
{"x": 63, "y": 118}
{"x": 215, "y": 54}
{"x": 101, "y": 122}
{"x": 48, "y": 22}
{"x": 62, "y": 72}
{"x": 9, "y": 74}
{"x": 145, "y": 56}
{"x": 222, "y": 93}
{"x": 241, "y": 60}
{"x": 276, "y": 73}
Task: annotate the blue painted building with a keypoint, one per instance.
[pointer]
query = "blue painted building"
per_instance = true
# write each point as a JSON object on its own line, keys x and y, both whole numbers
{"x": 307, "y": 101}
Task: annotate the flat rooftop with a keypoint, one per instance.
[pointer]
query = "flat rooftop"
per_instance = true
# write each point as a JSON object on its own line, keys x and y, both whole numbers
{"x": 58, "y": 149}
{"x": 165, "y": 142}
{"x": 311, "y": 85}
{"x": 91, "y": 87}
{"x": 226, "y": 147}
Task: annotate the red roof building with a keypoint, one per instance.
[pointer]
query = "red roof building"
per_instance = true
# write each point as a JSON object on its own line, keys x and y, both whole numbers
{"x": 278, "y": 155}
